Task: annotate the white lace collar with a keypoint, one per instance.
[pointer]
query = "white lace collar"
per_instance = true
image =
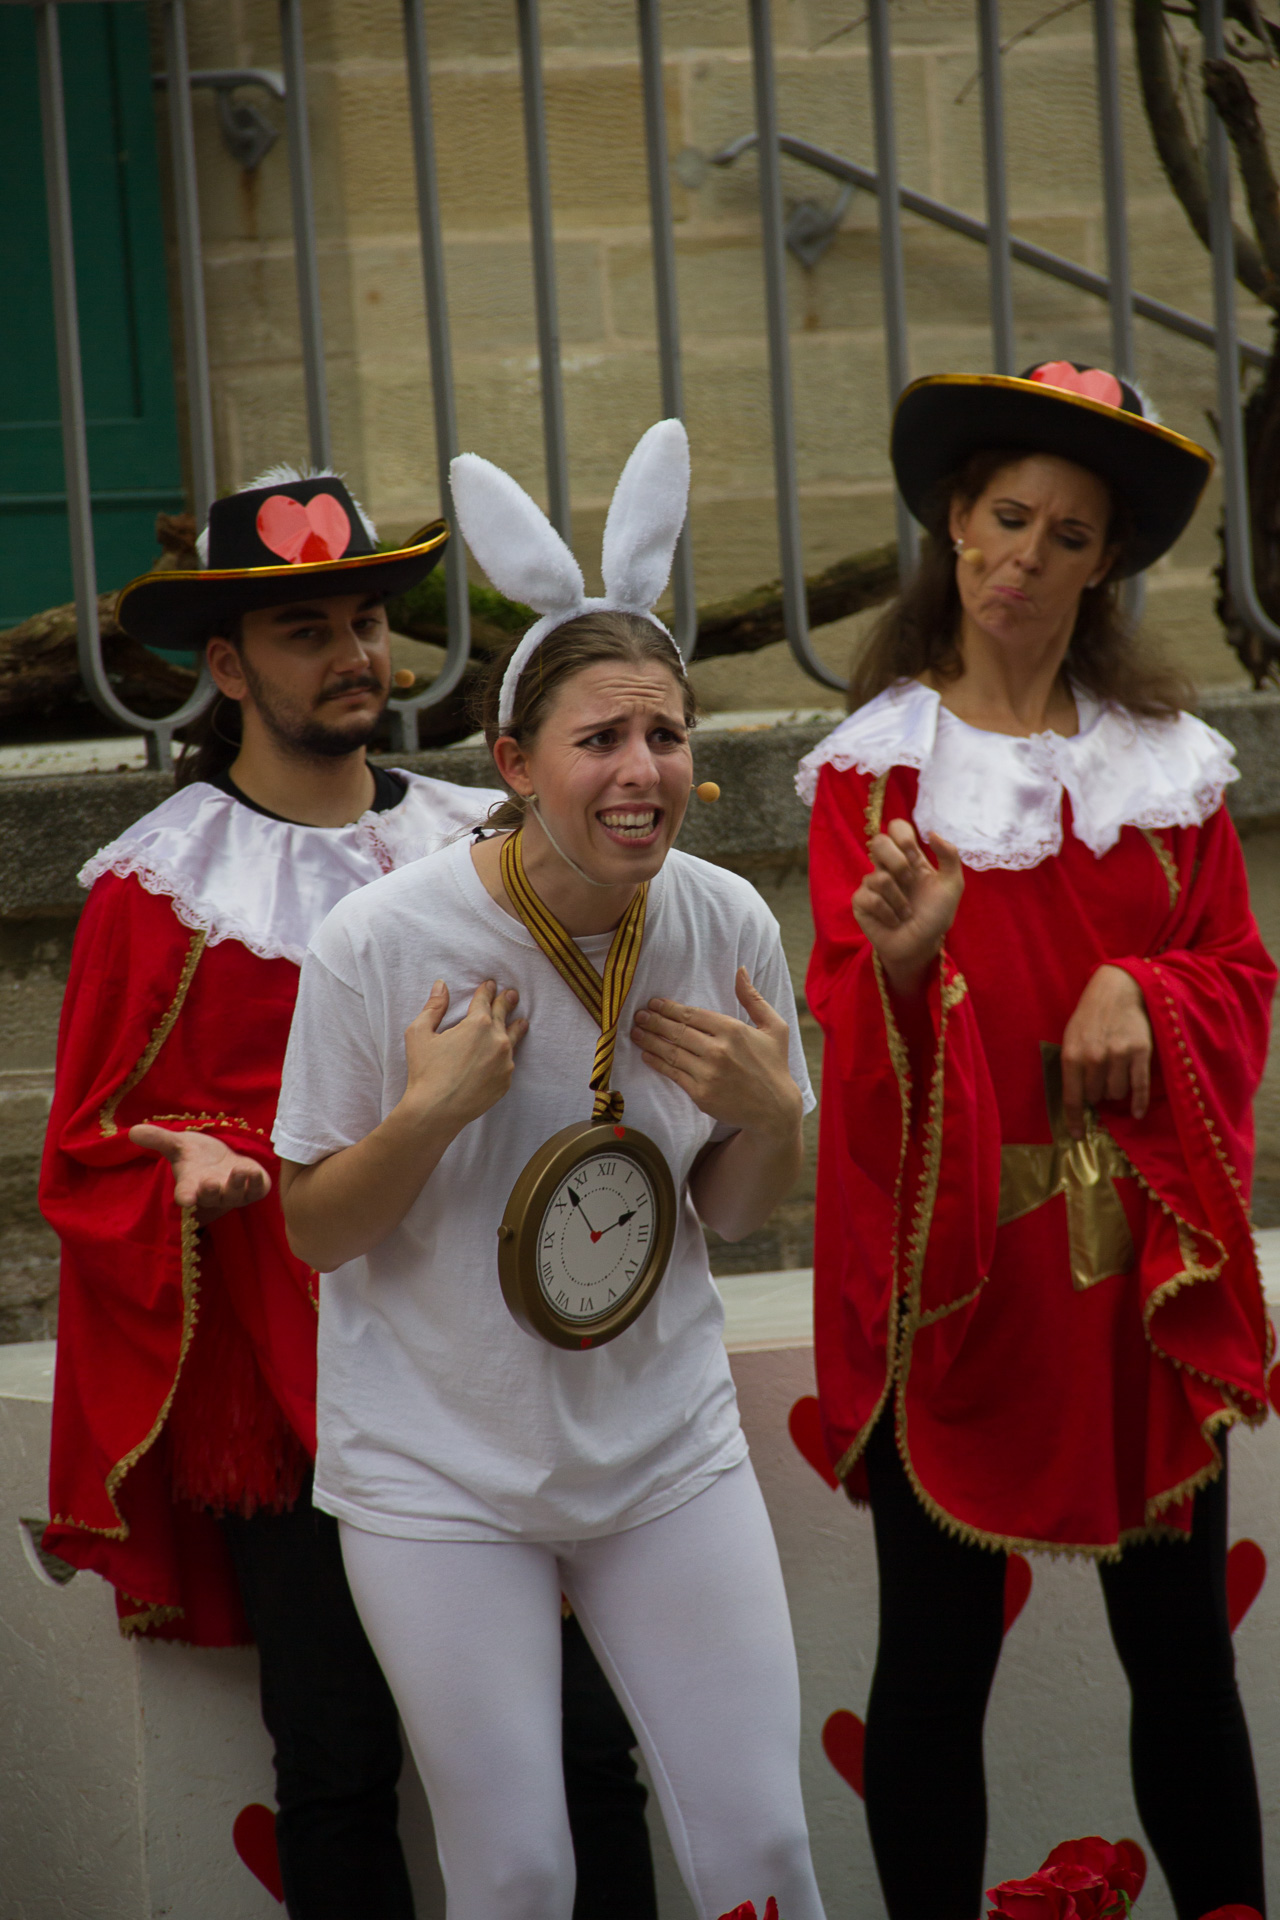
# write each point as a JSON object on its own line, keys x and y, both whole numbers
{"x": 268, "y": 883}
{"x": 999, "y": 798}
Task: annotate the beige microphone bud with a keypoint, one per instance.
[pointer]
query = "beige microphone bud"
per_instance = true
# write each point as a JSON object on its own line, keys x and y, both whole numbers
{"x": 707, "y": 790}
{"x": 403, "y": 677}
{"x": 972, "y": 556}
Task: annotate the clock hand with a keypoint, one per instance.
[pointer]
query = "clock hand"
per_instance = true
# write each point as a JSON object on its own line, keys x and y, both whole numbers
{"x": 621, "y": 1221}
{"x": 578, "y": 1204}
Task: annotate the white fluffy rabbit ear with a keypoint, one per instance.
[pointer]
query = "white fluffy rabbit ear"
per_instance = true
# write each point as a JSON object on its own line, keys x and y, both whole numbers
{"x": 512, "y": 538}
{"x": 645, "y": 517}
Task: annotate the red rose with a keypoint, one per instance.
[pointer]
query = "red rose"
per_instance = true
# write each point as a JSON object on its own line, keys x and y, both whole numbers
{"x": 1042, "y": 1897}
{"x": 1122, "y": 1865}
{"x": 747, "y": 1911}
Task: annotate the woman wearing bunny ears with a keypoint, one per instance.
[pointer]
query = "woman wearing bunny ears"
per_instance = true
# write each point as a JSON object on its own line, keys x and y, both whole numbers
{"x": 478, "y": 1471}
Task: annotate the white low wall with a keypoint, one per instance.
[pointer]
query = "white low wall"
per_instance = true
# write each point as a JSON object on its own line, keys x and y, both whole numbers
{"x": 126, "y": 1766}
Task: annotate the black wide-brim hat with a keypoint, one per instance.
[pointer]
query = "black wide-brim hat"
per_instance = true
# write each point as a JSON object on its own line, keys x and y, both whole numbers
{"x": 1158, "y": 475}
{"x": 292, "y": 539}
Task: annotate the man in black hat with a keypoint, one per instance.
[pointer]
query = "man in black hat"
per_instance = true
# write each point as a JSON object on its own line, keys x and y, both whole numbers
{"x": 184, "y": 1410}
{"x": 184, "y": 1414}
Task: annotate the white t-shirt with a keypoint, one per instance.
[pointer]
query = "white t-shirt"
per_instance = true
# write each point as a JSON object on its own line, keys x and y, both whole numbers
{"x": 439, "y": 1417}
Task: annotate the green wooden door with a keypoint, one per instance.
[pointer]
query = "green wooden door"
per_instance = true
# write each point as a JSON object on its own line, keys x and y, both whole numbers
{"x": 134, "y": 463}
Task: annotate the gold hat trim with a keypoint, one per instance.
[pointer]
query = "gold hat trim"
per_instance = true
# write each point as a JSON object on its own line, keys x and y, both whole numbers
{"x": 419, "y": 543}
{"x": 1043, "y": 389}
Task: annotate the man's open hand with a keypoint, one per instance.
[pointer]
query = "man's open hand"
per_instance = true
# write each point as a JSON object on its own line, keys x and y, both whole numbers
{"x": 206, "y": 1174}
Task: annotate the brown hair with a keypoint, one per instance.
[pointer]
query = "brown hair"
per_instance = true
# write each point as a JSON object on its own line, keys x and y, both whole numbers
{"x": 213, "y": 738}
{"x": 919, "y": 632}
{"x": 566, "y": 651}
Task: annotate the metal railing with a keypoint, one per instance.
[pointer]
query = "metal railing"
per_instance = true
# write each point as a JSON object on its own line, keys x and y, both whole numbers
{"x": 770, "y": 144}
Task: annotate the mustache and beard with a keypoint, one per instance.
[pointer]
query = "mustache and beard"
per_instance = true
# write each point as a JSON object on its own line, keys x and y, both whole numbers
{"x": 303, "y": 732}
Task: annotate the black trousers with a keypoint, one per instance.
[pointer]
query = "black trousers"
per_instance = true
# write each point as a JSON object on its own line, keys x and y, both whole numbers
{"x": 333, "y": 1721}
{"x": 941, "y": 1628}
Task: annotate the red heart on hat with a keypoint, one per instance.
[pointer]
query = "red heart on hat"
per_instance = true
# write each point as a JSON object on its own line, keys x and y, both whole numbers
{"x": 254, "y": 1837}
{"x": 805, "y": 1425}
{"x": 843, "y": 1738}
{"x": 1246, "y": 1571}
{"x": 1095, "y": 383}
{"x": 318, "y": 530}
{"x": 1017, "y": 1586}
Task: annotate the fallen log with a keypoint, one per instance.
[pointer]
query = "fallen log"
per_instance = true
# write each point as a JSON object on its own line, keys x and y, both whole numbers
{"x": 40, "y": 671}
{"x": 40, "y": 677}
{"x": 756, "y": 619}
{"x": 742, "y": 624}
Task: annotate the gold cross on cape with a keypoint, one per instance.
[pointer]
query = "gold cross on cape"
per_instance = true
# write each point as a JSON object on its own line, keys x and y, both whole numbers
{"x": 1085, "y": 1171}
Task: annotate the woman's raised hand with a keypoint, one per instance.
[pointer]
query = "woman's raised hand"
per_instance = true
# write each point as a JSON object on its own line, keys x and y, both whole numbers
{"x": 905, "y": 905}
{"x": 458, "y": 1075}
{"x": 207, "y": 1175}
{"x": 1106, "y": 1049}
{"x": 738, "y": 1073}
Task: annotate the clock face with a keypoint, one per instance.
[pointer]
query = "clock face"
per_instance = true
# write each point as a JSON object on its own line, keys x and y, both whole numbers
{"x": 596, "y": 1237}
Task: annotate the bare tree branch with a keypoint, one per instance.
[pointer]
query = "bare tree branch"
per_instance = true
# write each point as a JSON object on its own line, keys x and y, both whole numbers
{"x": 1230, "y": 93}
{"x": 1252, "y": 20}
{"x": 1178, "y": 155}
{"x": 1023, "y": 33}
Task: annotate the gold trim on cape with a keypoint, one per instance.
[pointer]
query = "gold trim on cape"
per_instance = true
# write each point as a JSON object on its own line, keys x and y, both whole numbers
{"x": 107, "y": 1112}
{"x": 1167, "y": 867}
{"x": 907, "y": 1319}
{"x": 190, "y": 1256}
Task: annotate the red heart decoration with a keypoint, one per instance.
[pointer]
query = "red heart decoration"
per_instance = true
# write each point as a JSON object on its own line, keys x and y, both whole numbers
{"x": 1017, "y": 1587}
{"x": 1094, "y": 383}
{"x": 254, "y": 1837}
{"x": 805, "y": 1425}
{"x": 318, "y": 530}
{"x": 1246, "y": 1571}
{"x": 843, "y": 1739}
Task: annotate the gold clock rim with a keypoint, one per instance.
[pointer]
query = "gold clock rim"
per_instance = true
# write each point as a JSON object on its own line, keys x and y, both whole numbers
{"x": 522, "y": 1226}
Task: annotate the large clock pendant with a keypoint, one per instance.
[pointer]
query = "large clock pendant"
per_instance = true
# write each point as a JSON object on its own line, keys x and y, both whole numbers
{"x": 587, "y": 1234}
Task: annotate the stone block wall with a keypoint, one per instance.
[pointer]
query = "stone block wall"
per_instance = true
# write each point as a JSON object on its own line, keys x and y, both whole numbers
{"x": 378, "y": 367}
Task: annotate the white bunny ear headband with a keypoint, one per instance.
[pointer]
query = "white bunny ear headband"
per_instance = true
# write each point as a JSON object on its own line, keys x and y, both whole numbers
{"x": 526, "y": 559}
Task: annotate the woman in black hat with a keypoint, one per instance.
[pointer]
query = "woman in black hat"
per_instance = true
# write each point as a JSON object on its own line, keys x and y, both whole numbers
{"x": 1038, "y": 1303}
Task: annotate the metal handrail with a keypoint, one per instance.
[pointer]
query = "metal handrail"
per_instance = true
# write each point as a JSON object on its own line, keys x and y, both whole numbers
{"x": 795, "y": 604}
{"x": 893, "y": 199}
{"x": 306, "y": 262}
{"x": 1004, "y": 347}
{"x": 75, "y": 452}
{"x": 893, "y": 278}
{"x": 1235, "y": 483}
{"x": 1053, "y": 265}
{"x": 666, "y": 304}
{"x": 404, "y": 712}
{"x": 195, "y": 331}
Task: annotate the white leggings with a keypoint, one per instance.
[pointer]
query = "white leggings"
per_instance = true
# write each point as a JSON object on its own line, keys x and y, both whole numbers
{"x": 688, "y": 1617}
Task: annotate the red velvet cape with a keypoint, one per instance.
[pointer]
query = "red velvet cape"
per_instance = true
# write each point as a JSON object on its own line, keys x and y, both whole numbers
{"x": 158, "y": 1025}
{"x": 1030, "y": 1411}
